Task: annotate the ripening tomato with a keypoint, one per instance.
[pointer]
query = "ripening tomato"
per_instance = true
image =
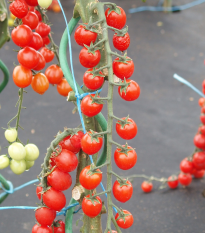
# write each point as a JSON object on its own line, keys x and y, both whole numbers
{"x": 92, "y": 82}
{"x": 31, "y": 20}
{"x": 42, "y": 62}
{"x": 201, "y": 101}
{"x": 43, "y": 29}
{"x": 22, "y": 35}
{"x": 127, "y": 130}
{"x": 125, "y": 161}
{"x": 18, "y": 167}
{"x": 129, "y": 220}
{"x": 112, "y": 231}
{"x": 186, "y": 165}
{"x": 45, "y": 229}
{"x": 32, "y": 2}
{"x": 122, "y": 191}
{"x": 116, "y": 19}
{"x": 4, "y": 161}
{"x": 199, "y": 174}
{"x": 199, "y": 160}
{"x": 54, "y": 199}
{"x": 11, "y": 134}
{"x": 123, "y": 69}
{"x": 47, "y": 54}
{"x": 63, "y": 87}
{"x": 84, "y": 37}
{"x": 39, "y": 189}
{"x": 54, "y": 74}
{"x": 121, "y": 42}
{"x": 66, "y": 161}
{"x": 91, "y": 209}
{"x": 40, "y": 83}
{"x": 36, "y": 42}
{"x": 199, "y": 141}
{"x": 130, "y": 93}
{"x": 35, "y": 228}
{"x": 89, "y": 107}
{"x": 147, "y": 186}
{"x": 19, "y": 8}
{"x": 89, "y": 59}
{"x": 173, "y": 182}
{"x": 91, "y": 146}
{"x": 61, "y": 228}
{"x": 22, "y": 76}
{"x": 38, "y": 14}
{"x": 28, "y": 57}
{"x": 59, "y": 180}
{"x": 90, "y": 180}
{"x": 32, "y": 152}
{"x": 44, "y": 4}
{"x": 185, "y": 179}
{"x": 17, "y": 151}
{"x": 45, "y": 216}
{"x": 46, "y": 41}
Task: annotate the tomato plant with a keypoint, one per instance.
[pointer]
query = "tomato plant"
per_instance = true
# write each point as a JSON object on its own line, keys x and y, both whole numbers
{"x": 91, "y": 206}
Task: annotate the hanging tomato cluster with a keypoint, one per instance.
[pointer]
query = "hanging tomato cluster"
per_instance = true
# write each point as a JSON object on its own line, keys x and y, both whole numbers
{"x": 32, "y": 61}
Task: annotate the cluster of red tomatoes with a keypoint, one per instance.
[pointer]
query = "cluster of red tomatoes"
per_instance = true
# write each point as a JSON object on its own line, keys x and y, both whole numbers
{"x": 30, "y": 59}
{"x": 59, "y": 180}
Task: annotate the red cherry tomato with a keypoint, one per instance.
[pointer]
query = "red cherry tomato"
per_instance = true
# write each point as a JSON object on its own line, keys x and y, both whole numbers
{"x": 39, "y": 15}
{"x": 125, "y": 161}
{"x": 173, "y": 182}
{"x": 32, "y": 2}
{"x": 66, "y": 161}
{"x": 132, "y": 92}
{"x": 88, "y": 59}
{"x": 199, "y": 174}
{"x": 43, "y": 29}
{"x": 76, "y": 139}
{"x": 22, "y": 76}
{"x": 114, "y": 19}
{"x": 19, "y": 8}
{"x": 185, "y": 179}
{"x": 186, "y": 166}
{"x": 90, "y": 209}
{"x": 123, "y": 70}
{"x": 90, "y": 146}
{"x": 63, "y": 87}
{"x": 31, "y": 20}
{"x": 127, "y": 131}
{"x": 202, "y": 130}
{"x": 22, "y": 35}
{"x": 45, "y": 216}
{"x": 72, "y": 143}
{"x": 199, "y": 160}
{"x": 61, "y": 228}
{"x": 46, "y": 41}
{"x": 31, "y": 8}
{"x": 42, "y": 229}
{"x": 199, "y": 141}
{"x": 88, "y": 108}
{"x": 47, "y": 54}
{"x": 202, "y": 118}
{"x": 42, "y": 62}
{"x": 201, "y": 101}
{"x": 35, "y": 228}
{"x": 54, "y": 74}
{"x": 28, "y": 57}
{"x": 90, "y": 181}
{"x": 39, "y": 189}
{"x": 40, "y": 83}
{"x": 54, "y": 199}
{"x": 121, "y": 42}
{"x": 147, "y": 186}
{"x": 91, "y": 82}
{"x": 36, "y": 42}
{"x": 122, "y": 192}
{"x": 127, "y": 223}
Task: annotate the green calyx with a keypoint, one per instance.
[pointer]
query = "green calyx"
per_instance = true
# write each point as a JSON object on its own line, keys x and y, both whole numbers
{"x": 92, "y": 48}
{"x": 124, "y": 122}
{"x": 123, "y": 182}
{"x": 93, "y": 200}
{"x": 125, "y": 149}
{"x": 89, "y": 26}
{"x": 95, "y": 73}
{"x": 94, "y": 136}
{"x": 123, "y": 59}
{"x": 96, "y": 99}
{"x": 123, "y": 86}
{"x": 93, "y": 170}
{"x": 122, "y": 215}
{"x": 115, "y": 8}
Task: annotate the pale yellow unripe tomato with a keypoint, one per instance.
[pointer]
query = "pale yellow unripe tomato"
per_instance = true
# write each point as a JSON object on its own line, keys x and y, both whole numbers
{"x": 4, "y": 161}
{"x": 11, "y": 134}
{"x": 44, "y": 3}
{"x": 17, "y": 151}
{"x": 29, "y": 164}
{"x": 32, "y": 152}
{"x": 18, "y": 167}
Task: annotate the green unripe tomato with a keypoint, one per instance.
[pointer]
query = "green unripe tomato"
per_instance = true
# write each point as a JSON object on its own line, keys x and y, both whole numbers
{"x": 17, "y": 151}
{"x": 11, "y": 134}
{"x": 44, "y": 3}
{"x": 32, "y": 152}
{"x": 29, "y": 164}
{"x": 18, "y": 167}
{"x": 4, "y": 161}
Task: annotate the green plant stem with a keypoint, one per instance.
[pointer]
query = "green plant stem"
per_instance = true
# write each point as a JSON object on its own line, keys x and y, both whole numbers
{"x": 117, "y": 144}
{"x": 101, "y": 68}
{"x": 98, "y": 194}
{"x": 19, "y": 108}
{"x": 112, "y": 172}
{"x": 148, "y": 177}
{"x": 118, "y": 55}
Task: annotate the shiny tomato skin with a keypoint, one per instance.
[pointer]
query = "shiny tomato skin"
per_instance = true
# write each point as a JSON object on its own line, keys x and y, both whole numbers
{"x": 92, "y": 83}
{"x": 61, "y": 228}
{"x": 199, "y": 141}
{"x": 123, "y": 70}
{"x": 202, "y": 118}
{"x": 28, "y": 57}
{"x": 122, "y": 193}
{"x": 90, "y": 181}
{"x": 202, "y": 130}
{"x": 199, "y": 160}
{"x": 116, "y": 20}
{"x": 59, "y": 180}
{"x": 88, "y": 108}
{"x": 22, "y": 35}
{"x": 201, "y": 101}
{"x": 22, "y": 76}
{"x": 31, "y": 20}
{"x": 38, "y": 190}
{"x": 46, "y": 41}
{"x": 36, "y": 42}
{"x": 91, "y": 147}
{"x": 40, "y": 83}
{"x": 19, "y": 8}
{"x": 47, "y": 54}
{"x": 45, "y": 216}
{"x": 42, "y": 62}
{"x": 129, "y": 220}
{"x": 199, "y": 174}
{"x": 132, "y": 91}
{"x": 185, "y": 179}
{"x": 43, "y": 29}
{"x": 89, "y": 60}
{"x": 83, "y": 36}
{"x": 32, "y": 2}
{"x": 121, "y": 42}
{"x": 64, "y": 88}
{"x": 146, "y": 186}
{"x": 89, "y": 209}
{"x": 35, "y": 228}
{"x": 66, "y": 144}
{"x": 76, "y": 139}
{"x": 54, "y": 199}
{"x": 123, "y": 161}
{"x": 173, "y": 182}
{"x": 186, "y": 166}
{"x": 46, "y": 229}
{"x": 54, "y": 74}
{"x": 66, "y": 161}
{"x": 129, "y": 131}
{"x": 39, "y": 15}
